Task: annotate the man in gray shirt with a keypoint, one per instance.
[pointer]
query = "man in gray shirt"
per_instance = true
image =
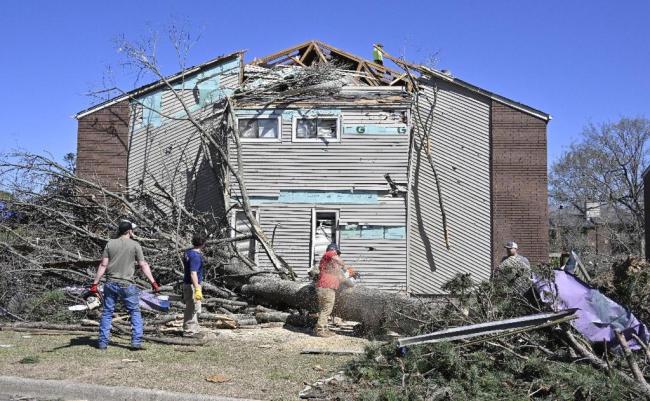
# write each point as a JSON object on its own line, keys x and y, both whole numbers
{"x": 517, "y": 265}
{"x": 118, "y": 263}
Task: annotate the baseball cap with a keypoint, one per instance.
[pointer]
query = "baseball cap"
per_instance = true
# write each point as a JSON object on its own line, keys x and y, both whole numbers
{"x": 125, "y": 226}
{"x": 332, "y": 247}
{"x": 511, "y": 245}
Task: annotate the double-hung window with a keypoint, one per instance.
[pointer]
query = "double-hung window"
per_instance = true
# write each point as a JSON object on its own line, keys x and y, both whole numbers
{"x": 259, "y": 128}
{"x": 316, "y": 129}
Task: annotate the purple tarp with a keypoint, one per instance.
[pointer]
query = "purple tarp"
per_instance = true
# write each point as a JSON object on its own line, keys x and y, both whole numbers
{"x": 151, "y": 301}
{"x": 597, "y": 316}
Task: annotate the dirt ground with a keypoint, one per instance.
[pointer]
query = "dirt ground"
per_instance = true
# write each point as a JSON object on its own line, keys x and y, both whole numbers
{"x": 262, "y": 364}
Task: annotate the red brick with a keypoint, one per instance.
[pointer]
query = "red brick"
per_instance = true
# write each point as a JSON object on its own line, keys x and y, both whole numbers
{"x": 519, "y": 183}
{"x": 102, "y": 145}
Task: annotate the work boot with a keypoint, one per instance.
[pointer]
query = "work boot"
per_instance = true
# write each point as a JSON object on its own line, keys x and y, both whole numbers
{"x": 323, "y": 333}
{"x": 137, "y": 347}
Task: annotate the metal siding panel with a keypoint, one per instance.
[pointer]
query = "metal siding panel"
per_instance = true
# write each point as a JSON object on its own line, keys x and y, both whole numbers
{"x": 171, "y": 152}
{"x": 358, "y": 162}
{"x": 172, "y": 155}
{"x": 460, "y": 148}
{"x": 381, "y": 262}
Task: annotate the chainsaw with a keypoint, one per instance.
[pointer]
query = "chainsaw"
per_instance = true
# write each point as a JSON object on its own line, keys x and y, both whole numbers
{"x": 91, "y": 301}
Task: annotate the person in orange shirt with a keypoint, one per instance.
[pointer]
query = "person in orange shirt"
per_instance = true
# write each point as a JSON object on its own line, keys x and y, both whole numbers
{"x": 330, "y": 276}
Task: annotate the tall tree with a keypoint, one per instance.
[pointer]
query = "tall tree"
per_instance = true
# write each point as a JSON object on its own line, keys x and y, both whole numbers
{"x": 606, "y": 167}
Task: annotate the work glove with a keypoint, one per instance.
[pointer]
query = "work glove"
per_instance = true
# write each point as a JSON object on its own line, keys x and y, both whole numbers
{"x": 155, "y": 286}
{"x": 93, "y": 289}
{"x": 198, "y": 294}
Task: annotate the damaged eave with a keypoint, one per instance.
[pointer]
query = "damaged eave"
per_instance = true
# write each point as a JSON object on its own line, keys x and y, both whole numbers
{"x": 160, "y": 83}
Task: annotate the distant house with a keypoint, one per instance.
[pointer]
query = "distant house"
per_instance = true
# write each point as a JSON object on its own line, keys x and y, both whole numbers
{"x": 349, "y": 168}
{"x": 597, "y": 230}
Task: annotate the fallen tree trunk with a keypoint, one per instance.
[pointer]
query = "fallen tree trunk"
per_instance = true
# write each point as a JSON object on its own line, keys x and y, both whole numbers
{"x": 375, "y": 309}
{"x": 267, "y": 317}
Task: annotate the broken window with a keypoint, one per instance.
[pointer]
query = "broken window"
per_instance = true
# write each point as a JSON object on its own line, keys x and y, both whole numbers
{"x": 314, "y": 129}
{"x": 259, "y": 128}
{"x": 241, "y": 226}
{"x": 363, "y": 231}
{"x": 325, "y": 230}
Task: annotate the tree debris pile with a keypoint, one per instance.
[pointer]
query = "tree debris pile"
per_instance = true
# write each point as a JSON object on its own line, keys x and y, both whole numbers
{"x": 628, "y": 282}
{"x": 57, "y": 224}
{"x": 54, "y": 224}
{"x": 53, "y": 232}
{"x": 550, "y": 363}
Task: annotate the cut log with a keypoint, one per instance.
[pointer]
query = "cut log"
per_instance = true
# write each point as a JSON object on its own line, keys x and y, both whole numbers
{"x": 377, "y": 310}
{"x": 211, "y": 288}
{"x": 222, "y": 302}
{"x": 267, "y": 317}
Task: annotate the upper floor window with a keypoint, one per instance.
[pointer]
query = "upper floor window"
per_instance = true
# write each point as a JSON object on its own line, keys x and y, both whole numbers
{"x": 316, "y": 129}
{"x": 259, "y": 129}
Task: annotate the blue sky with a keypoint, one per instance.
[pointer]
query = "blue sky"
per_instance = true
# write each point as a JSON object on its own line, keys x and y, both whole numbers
{"x": 579, "y": 61}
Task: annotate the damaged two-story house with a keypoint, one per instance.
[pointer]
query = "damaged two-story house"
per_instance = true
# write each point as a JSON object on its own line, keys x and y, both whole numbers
{"x": 350, "y": 163}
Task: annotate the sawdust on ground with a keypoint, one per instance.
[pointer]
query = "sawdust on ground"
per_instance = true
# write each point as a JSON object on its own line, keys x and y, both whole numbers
{"x": 261, "y": 363}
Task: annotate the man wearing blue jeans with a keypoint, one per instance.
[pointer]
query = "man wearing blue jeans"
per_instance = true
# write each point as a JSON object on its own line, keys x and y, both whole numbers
{"x": 118, "y": 263}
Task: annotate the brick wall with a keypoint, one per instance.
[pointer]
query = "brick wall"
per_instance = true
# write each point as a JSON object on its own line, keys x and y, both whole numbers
{"x": 519, "y": 183}
{"x": 102, "y": 145}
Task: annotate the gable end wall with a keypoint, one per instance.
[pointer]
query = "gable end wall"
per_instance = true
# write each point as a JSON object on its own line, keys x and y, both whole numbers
{"x": 519, "y": 183}
{"x": 102, "y": 146}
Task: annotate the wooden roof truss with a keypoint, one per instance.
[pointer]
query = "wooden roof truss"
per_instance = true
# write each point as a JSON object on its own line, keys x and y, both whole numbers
{"x": 314, "y": 52}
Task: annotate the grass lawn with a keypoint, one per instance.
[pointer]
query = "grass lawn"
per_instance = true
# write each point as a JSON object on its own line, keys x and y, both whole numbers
{"x": 260, "y": 363}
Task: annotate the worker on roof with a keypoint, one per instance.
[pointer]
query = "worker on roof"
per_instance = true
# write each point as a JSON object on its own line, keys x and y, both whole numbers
{"x": 378, "y": 53}
{"x": 118, "y": 263}
{"x": 329, "y": 279}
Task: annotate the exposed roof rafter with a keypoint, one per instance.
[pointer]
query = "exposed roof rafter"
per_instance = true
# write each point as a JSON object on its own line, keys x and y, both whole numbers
{"x": 314, "y": 51}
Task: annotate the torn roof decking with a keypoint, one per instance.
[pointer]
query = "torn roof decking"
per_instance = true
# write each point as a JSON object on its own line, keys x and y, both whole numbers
{"x": 313, "y": 52}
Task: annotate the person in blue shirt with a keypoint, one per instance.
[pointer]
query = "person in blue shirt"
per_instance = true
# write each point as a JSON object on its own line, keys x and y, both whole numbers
{"x": 192, "y": 279}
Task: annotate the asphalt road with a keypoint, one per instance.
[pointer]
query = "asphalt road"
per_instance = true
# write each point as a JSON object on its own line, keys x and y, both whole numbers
{"x": 62, "y": 390}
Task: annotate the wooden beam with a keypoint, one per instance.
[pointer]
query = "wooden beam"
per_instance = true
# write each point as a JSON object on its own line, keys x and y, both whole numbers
{"x": 304, "y": 55}
{"x": 351, "y": 56}
{"x": 396, "y": 80}
{"x": 282, "y": 60}
{"x": 297, "y": 60}
{"x": 320, "y": 53}
{"x": 400, "y": 61}
{"x": 372, "y": 80}
{"x": 281, "y": 53}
